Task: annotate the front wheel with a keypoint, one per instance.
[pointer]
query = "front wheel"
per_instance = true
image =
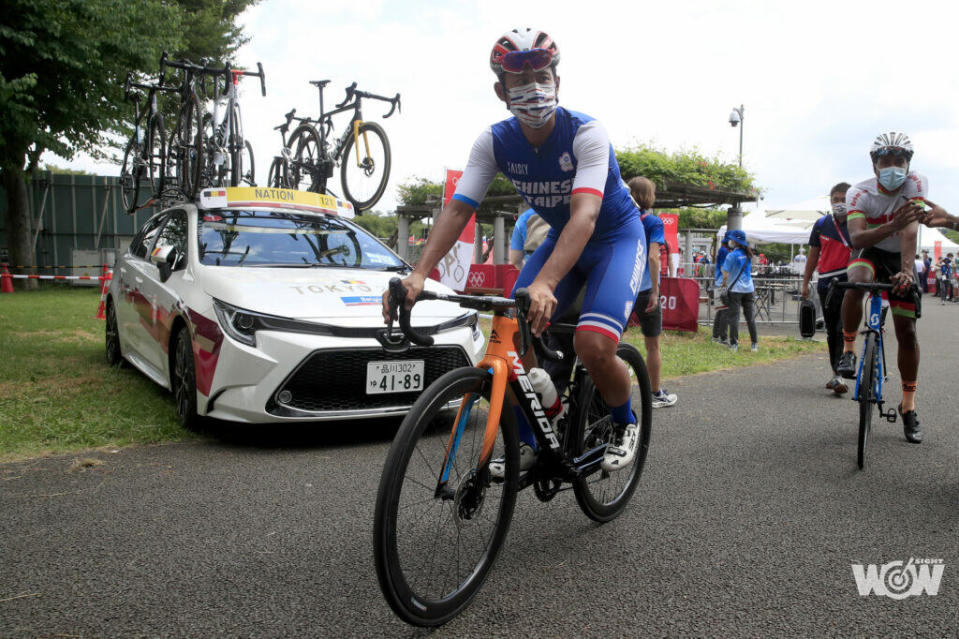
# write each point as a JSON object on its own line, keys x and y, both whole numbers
{"x": 183, "y": 381}
{"x": 866, "y": 396}
{"x": 365, "y": 166}
{"x": 434, "y": 542}
{"x": 156, "y": 147}
{"x": 603, "y": 495}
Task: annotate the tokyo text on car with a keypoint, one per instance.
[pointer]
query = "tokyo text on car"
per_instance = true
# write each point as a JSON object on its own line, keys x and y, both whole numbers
{"x": 263, "y": 305}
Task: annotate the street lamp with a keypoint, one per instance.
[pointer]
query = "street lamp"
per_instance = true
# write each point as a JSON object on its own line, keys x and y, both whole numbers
{"x": 736, "y": 118}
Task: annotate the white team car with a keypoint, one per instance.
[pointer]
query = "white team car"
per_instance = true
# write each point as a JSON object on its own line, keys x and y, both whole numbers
{"x": 263, "y": 305}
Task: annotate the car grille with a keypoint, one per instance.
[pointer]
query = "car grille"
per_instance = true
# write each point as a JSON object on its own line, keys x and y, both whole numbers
{"x": 335, "y": 380}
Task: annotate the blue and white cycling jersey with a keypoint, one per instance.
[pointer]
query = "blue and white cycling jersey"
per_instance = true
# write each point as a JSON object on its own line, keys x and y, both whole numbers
{"x": 576, "y": 158}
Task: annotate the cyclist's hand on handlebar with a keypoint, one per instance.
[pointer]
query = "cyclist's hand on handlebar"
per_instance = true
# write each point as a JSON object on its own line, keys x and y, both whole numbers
{"x": 901, "y": 281}
{"x": 413, "y": 283}
{"x": 542, "y": 303}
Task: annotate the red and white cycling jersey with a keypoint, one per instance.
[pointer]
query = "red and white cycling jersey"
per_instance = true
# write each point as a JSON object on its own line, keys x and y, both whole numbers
{"x": 876, "y": 205}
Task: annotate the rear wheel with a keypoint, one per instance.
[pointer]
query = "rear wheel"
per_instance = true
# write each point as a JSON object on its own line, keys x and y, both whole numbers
{"x": 114, "y": 354}
{"x": 307, "y": 174}
{"x": 156, "y": 146}
{"x": 189, "y": 147}
{"x": 131, "y": 172}
{"x": 603, "y": 495}
{"x": 434, "y": 543}
{"x": 365, "y": 166}
{"x": 866, "y": 396}
{"x": 278, "y": 176}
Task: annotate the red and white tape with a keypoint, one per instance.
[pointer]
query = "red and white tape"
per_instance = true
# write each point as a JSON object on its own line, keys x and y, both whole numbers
{"x": 55, "y": 277}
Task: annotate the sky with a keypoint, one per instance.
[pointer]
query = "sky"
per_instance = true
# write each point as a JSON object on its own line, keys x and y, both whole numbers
{"x": 818, "y": 80}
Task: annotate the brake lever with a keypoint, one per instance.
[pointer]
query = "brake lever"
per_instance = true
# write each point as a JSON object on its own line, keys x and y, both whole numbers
{"x": 349, "y": 95}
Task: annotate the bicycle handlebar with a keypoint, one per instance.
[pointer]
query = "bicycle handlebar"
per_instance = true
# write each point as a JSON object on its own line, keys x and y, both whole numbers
{"x": 397, "y": 298}
{"x": 349, "y": 95}
{"x": 866, "y": 286}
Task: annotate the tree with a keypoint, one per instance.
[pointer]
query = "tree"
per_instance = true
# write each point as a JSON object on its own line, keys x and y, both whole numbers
{"x": 62, "y": 67}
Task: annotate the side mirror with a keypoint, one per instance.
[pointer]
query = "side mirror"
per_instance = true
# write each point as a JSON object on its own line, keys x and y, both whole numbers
{"x": 164, "y": 257}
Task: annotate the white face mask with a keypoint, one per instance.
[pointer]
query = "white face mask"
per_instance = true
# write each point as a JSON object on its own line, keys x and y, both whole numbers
{"x": 533, "y": 104}
{"x": 839, "y": 209}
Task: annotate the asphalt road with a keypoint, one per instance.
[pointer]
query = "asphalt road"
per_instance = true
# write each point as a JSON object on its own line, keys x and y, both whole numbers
{"x": 749, "y": 516}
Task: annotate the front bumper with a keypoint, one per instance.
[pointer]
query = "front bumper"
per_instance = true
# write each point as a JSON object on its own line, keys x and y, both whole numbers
{"x": 323, "y": 376}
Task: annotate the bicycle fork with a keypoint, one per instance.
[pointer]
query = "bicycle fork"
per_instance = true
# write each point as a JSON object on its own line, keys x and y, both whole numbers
{"x": 366, "y": 143}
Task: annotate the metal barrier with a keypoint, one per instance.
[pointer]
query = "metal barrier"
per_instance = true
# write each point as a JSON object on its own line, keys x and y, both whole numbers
{"x": 776, "y": 299}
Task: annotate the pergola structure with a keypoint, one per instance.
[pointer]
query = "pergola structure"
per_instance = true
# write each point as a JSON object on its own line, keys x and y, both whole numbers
{"x": 497, "y": 208}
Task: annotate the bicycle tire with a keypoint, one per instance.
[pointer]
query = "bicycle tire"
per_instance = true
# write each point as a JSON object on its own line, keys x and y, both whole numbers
{"x": 189, "y": 140}
{"x": 157, "y": 162}
{"x": 866, "y": 399}
{"x": 236, "y": 150}
{"x": 278, "y": 176}
{"x": 131, "y": 172}
{"x": 365, "y": 187}
{"x": 399, "y": 552}
{"x": 604, "y": 495}
{"x": 306, "y": 173}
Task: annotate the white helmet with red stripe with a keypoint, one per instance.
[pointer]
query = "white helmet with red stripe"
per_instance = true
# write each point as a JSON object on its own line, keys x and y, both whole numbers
{"x": 539, "y": 48}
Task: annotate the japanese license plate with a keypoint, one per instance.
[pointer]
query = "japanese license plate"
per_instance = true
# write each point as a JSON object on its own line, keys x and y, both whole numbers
{"x": 394, "y": 377}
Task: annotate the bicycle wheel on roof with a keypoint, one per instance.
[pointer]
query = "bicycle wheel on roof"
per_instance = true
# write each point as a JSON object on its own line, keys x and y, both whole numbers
{"x": 365, "y": 166}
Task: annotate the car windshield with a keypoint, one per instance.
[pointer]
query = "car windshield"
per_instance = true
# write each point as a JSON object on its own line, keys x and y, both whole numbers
{"x": 230, "y": 237}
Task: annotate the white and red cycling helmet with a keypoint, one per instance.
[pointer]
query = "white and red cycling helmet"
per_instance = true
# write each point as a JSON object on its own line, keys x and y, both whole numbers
{"x": 519, "y": 47}
{"x": 892, "y": 143}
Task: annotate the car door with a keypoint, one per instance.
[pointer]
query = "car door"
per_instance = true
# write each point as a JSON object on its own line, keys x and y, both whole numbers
{"x": 131, "y": 277}
{"x": 162, "y": 287}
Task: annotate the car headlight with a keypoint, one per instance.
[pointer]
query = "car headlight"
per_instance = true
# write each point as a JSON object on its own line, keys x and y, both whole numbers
{"x": 239, "y": 324}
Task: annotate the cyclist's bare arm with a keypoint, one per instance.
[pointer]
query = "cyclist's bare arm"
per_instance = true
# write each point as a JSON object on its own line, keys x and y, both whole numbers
{"x": 907, "y": 250}
{"x": 861, "y": 237}
{"x": 584, "y": 210}
{"x": 449, "y": 225}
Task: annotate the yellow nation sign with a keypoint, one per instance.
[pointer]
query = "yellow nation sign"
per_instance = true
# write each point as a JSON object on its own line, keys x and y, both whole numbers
{"x": 239, "y": 196}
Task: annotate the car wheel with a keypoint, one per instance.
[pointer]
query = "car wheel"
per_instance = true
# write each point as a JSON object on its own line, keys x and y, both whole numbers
{"x": 114, "y": 355}
{"x": 184, "y": 381}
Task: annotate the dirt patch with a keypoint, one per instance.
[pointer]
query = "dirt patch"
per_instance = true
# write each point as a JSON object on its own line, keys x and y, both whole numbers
{"x": 82, "y": 463}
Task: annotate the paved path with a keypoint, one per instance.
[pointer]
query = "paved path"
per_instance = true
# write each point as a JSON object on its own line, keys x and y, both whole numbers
{"x": 747, "y": 521}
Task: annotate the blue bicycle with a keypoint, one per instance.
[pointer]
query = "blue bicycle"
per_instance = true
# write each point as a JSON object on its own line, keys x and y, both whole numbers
{"x": 872, "y": 372}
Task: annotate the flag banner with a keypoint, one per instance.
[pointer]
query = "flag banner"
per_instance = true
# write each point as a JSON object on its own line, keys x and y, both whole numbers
{"x": 454, "y": 268}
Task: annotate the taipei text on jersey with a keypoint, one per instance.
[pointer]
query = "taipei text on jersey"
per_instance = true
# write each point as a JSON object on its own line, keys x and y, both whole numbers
{"x": 576, "y": 158}
{"x": 876, "y": 205}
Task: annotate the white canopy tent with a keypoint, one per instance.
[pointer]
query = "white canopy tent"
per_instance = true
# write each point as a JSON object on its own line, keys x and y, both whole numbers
{"x": 810, "y": 210}
{"x": 760, "y": 228}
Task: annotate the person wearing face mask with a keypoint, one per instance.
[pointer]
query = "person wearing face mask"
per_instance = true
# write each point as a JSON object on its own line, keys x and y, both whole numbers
{"x": 720, "y": 321}
{"x": 562, "y": 164}
{"x": 829, "y": 251}
{"x": 737, "y": 276}
{"x": 882, "y": 220}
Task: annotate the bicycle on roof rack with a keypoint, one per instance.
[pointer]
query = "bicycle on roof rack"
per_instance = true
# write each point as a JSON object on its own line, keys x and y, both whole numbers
{"x": 145, "y": 156}
{"x": 441, "y": 515}
{"x": 227, "y": 158}
{"x": 187, "y": 142}
{"x": 310, "y": 156}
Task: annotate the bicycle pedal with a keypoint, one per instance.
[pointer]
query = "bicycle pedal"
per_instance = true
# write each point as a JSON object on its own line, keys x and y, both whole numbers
{"x": 891, "y": 416}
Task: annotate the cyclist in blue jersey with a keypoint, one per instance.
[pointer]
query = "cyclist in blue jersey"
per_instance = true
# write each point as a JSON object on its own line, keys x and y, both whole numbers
{"x": 562, "y": 164}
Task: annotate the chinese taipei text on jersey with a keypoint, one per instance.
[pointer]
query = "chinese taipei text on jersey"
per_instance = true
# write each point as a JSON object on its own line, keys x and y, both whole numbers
{"x": 576, "y": 158}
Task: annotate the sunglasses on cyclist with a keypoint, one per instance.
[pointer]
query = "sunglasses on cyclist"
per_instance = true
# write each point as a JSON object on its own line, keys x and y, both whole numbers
{"x": 515, "y": 61}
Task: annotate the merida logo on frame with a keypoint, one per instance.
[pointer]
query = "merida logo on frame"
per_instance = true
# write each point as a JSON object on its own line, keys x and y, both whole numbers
{"x": 899, "y": 579}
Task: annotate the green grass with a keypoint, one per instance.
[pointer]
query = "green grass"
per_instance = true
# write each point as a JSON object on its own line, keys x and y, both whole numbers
{"x": 691, "y": 353}
{"x": 57, "y": 393}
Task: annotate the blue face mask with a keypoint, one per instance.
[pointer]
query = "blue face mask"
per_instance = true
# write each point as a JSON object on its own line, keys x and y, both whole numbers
{"x": 892, "y": 177}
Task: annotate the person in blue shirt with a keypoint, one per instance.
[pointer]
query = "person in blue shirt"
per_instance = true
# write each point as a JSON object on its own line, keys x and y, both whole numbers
{"x": 648, "y": 309}
{"x": 737, "y": 275}
{"x": 528, "y": 233}
{"x": 563, "y": 165}
{"x": 720, "y": 321}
